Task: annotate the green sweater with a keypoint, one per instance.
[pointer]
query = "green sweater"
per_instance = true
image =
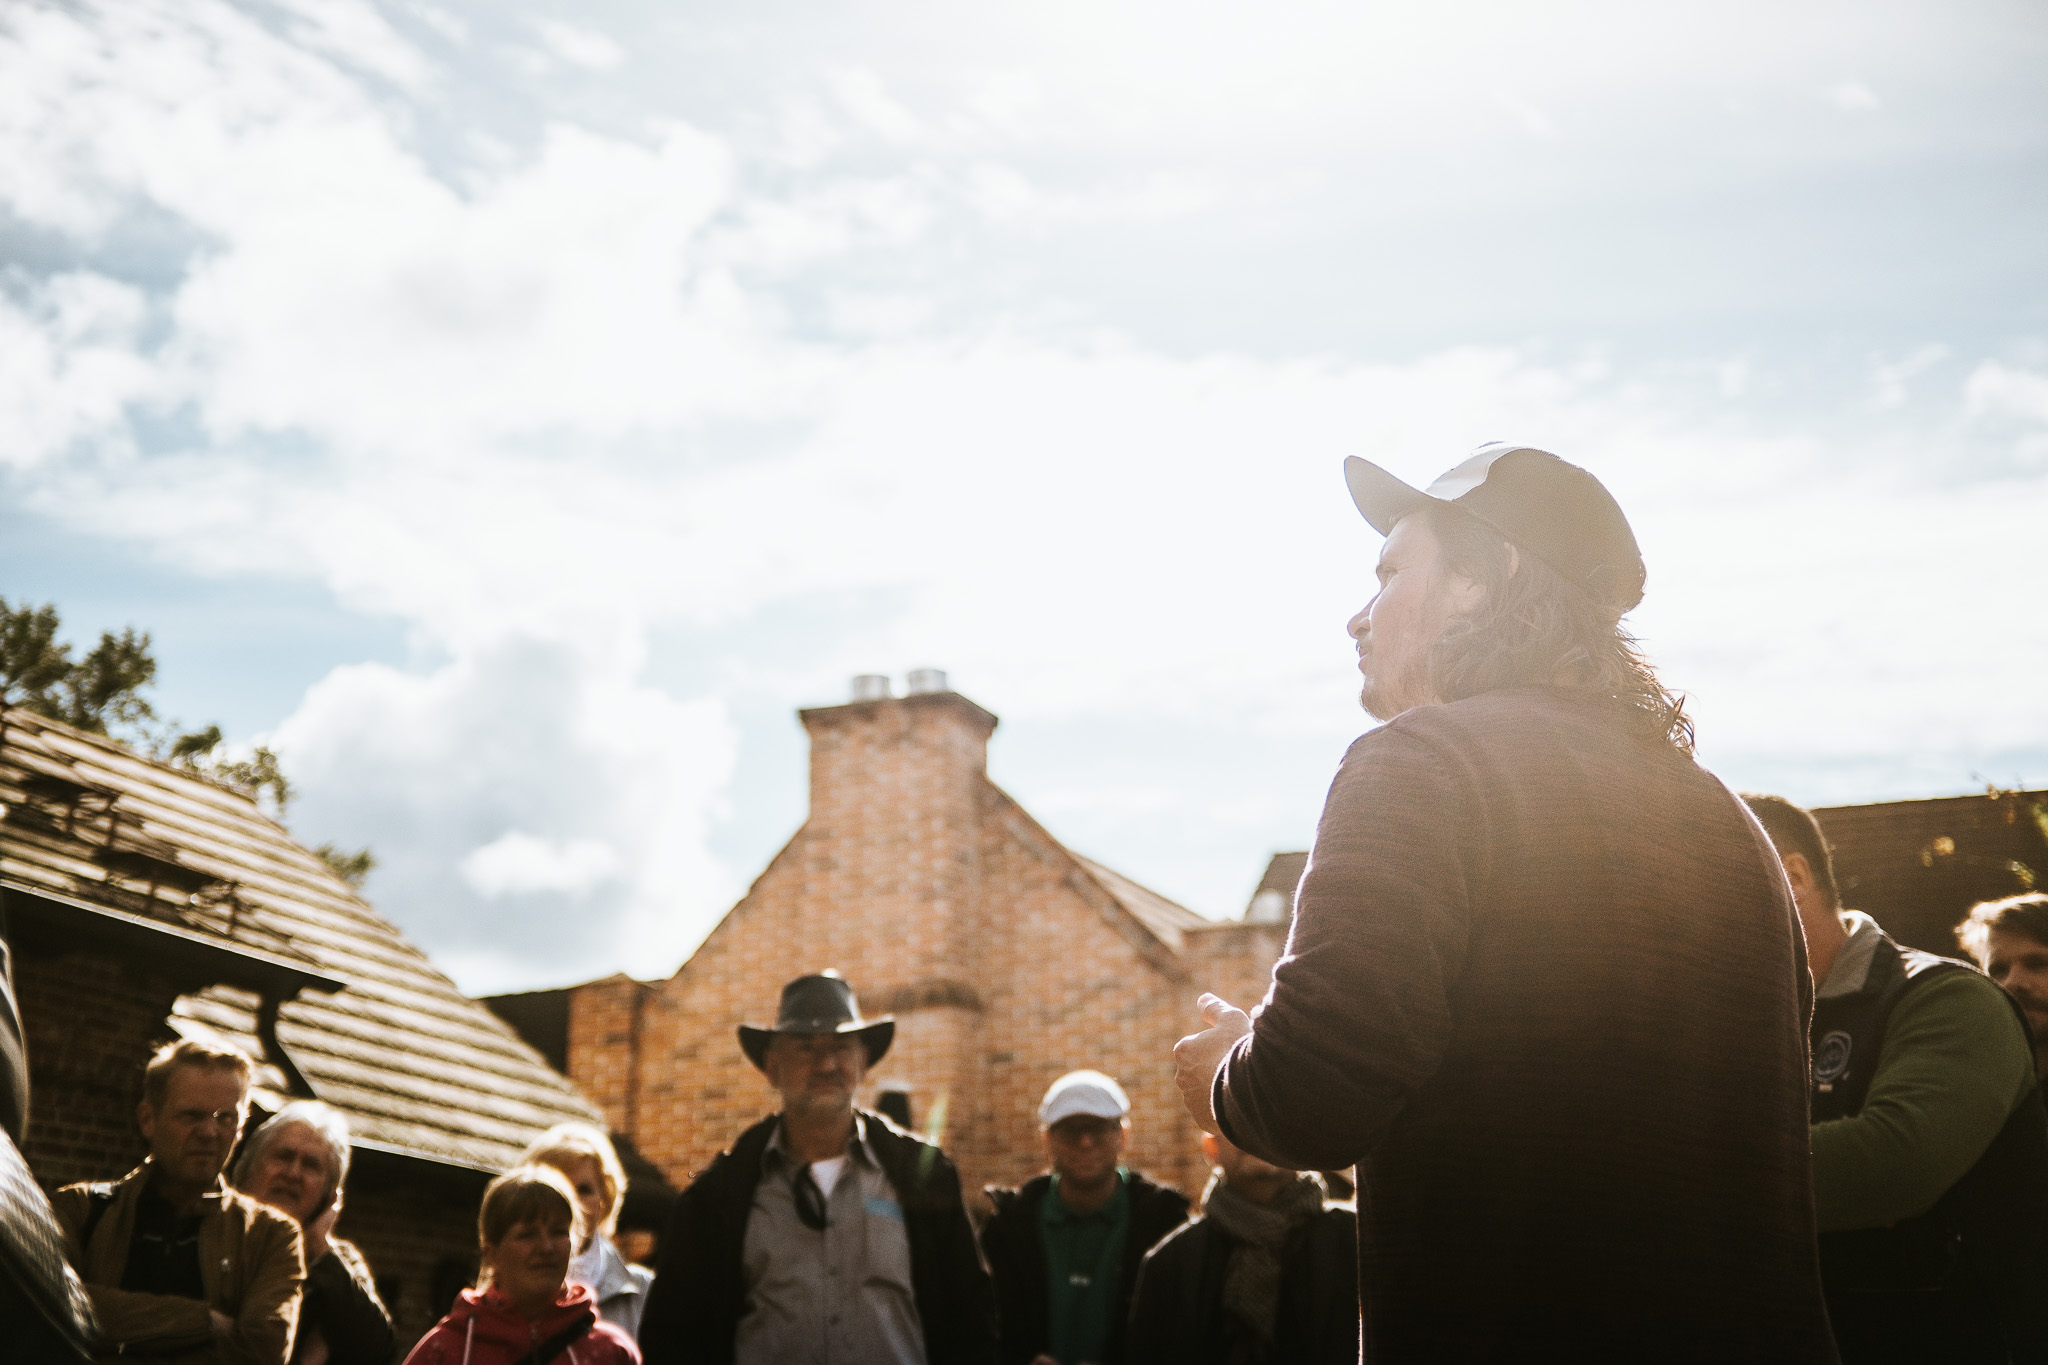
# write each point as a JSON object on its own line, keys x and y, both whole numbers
{"x": 1953, "y": 1066}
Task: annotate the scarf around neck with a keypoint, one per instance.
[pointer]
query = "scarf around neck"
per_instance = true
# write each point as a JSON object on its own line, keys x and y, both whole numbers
{"x": 1251, "y": 1280}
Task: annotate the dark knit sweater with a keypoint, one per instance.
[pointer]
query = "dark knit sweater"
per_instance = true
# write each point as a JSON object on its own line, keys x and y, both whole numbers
{"x": 1545, "y": 986}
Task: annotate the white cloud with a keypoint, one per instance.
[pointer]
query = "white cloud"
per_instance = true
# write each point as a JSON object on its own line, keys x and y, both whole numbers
{"x": 70, "y": 365}
{"x": 1997, "y": 389}
{"x": 1889, "y": 378}
{"x": 580, "y": 46}
{"x": 517, "y": 864}
{"x": 549, "y": 402}
{"x": 535, "y": 774}
{"x": 1533, "y": 120}
{"x": 1853, "y": 97}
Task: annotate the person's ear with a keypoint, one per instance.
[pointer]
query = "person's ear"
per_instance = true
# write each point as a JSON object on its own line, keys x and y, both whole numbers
{"x": 145, "y": 1119}
{"x": 1799, "y": 872}
{"x": 1212, "y": 1149}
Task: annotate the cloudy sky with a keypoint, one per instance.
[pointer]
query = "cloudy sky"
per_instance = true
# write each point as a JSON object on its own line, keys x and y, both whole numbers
{"x": 512, "y": 413}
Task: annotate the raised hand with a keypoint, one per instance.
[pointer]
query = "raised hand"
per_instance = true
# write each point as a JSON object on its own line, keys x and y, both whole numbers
{"x": 1196, "y": 1057}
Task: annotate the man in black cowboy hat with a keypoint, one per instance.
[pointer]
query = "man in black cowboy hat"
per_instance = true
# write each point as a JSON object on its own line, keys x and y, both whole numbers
{"x": 1544, "y": 980}
{"x": 826, "y": 1233}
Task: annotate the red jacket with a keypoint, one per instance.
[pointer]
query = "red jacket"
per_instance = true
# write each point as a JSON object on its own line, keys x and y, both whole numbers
{"x": 484, "y": 1329}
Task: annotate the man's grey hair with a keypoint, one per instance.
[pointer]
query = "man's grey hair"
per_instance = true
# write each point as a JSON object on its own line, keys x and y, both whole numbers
{"x": 327, "y": 1122}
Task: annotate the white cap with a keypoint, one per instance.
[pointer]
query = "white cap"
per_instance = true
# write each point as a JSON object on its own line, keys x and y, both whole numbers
{"x": 1083, "y": 1092}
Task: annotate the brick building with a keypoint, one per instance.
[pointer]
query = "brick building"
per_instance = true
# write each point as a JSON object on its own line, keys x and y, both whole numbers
{"x": 141, "y": 903}
{"x": 1006, "y": 959}
{"x": 1917, "y": 867}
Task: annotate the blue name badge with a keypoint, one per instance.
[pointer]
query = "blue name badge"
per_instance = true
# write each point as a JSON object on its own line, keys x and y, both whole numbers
{"x": 879, "y": 1207}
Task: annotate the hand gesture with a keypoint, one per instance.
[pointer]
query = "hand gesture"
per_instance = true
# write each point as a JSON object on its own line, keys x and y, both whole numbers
{"x": 1196, "y": 1057}
{"x": 317, "y": 1234}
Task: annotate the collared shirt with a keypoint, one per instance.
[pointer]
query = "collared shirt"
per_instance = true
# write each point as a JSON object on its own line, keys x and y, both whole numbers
{"x": 1852, "y": 964}
{"x": 163, "y": 1255}
{"x": 1083, "y": 1266}
{"x": 840, "y": 1295}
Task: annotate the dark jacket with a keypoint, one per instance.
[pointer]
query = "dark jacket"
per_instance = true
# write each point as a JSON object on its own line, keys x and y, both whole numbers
{"x": 1545, "y": 984}
{"x": 1177, "y": 1316}
{"x": 1966, "y": 1281}
{"x": 1015, "y": 1247}
{"x": 342, "y": 1306}
{"x": 693, "y": 1310}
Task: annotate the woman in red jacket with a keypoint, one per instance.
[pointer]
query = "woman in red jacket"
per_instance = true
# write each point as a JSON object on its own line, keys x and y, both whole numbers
{"x": 523, "y": 1311}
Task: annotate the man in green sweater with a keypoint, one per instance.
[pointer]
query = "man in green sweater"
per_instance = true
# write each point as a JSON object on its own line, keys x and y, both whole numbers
{"x": 1930, "y": 1141}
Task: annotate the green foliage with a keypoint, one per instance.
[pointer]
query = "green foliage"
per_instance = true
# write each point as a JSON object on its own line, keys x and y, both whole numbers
{"x": 103, "y": 689}
{"x": 38, "y": 674}
{"x": 105, "y": 686}
{"x": 350, "y": 867}
{"x": 188, "y": 749}
{"x": 250, "y": 776}
{"x": 32, "y": 664}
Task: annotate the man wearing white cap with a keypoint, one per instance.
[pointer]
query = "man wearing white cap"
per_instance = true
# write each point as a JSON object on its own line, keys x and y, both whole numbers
{"x": 1065, "y": 1247}
{"x": 1544, "y": 982}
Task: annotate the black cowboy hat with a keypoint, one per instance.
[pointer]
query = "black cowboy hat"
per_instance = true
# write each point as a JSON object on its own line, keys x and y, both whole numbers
{"x": 819, "y": 1004}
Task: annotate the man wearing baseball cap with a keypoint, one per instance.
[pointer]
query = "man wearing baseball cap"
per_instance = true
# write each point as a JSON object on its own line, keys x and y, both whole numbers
{"x": 825, "y": 1232}
{"x": 1544, "y": 982}
{"x": 1065, "y": 1247}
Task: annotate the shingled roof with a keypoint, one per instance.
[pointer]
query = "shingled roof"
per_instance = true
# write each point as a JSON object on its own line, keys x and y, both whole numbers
{"x": 420, "y": 1069}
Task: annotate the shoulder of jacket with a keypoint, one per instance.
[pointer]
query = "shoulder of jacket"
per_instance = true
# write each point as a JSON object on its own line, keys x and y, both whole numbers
{"x": 73, "y": 1202}
{"x": 1151, "y": 1194}
{"x": 618, "y": 1343}
{"x": 751, "y": 1142}
{"x": 1008, "y": 1199}
{"x": 1918, "y": 963}
{"x": 1185, "y": 1240}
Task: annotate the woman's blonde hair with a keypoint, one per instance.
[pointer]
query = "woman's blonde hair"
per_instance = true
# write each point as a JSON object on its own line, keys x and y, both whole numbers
{"x": 566, "y": 1145}
{"x": 526, "y": 1194}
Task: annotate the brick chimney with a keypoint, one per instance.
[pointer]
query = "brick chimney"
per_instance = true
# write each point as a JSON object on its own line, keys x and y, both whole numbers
{"x": 894, "y": 834}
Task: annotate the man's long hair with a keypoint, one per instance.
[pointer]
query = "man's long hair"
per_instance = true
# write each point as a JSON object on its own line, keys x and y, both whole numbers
{"x": 1535, "y": 626}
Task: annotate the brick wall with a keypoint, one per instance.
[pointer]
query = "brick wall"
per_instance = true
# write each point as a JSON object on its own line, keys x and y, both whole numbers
{"x": 946, "y": 905}
{"x": 604, "y": 1046}
{"x": 415, "y": 1222}
{"x": 90, "y": 1021}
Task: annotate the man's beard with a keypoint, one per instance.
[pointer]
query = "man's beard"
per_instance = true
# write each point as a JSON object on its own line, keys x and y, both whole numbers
{"x": 1385, "y": 697}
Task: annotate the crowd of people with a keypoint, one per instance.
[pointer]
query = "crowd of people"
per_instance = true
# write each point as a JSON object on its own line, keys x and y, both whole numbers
{"x": 1618, "y": 1075}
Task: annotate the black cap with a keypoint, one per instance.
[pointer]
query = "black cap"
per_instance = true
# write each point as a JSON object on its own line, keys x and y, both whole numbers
{"x": 1556, "y": 511}
{"x": 823, "y": 1003}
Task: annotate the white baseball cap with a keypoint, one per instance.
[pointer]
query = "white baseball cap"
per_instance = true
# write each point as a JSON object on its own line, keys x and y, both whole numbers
{"x": 1083, "y": 1092}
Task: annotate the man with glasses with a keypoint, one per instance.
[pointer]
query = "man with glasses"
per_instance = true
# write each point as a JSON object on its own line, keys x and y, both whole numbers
{"x": 178, "y": 1264}
{"x": 826, "y": 1233}
{"x": 1065, "y": 1247}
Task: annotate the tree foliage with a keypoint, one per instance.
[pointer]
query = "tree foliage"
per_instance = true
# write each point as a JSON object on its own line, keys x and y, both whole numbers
{"x": 104, "y": 690}
{"x": 251, "y": 776}
{"x": 350, "y": 867}
{"x": 38, "y": 674}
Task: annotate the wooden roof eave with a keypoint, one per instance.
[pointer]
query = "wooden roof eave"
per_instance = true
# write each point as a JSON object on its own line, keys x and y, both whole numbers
{"x": 270, "y": 975}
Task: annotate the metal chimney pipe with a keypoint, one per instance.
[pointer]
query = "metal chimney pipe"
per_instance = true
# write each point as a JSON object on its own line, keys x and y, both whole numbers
{"x": 870, "y": 686}
{"x": 923, "y": 680}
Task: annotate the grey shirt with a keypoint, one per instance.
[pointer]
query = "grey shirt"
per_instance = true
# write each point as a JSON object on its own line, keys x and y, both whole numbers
{"x": 838, "y": 1296}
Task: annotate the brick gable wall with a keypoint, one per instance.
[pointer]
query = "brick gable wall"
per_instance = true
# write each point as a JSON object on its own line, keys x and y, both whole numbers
{"x": 1004, "y": 961}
